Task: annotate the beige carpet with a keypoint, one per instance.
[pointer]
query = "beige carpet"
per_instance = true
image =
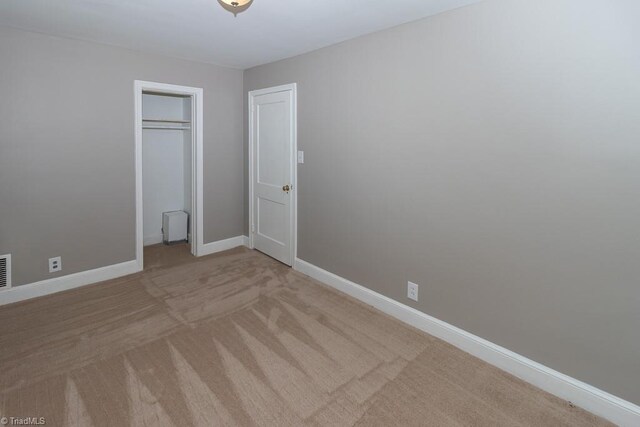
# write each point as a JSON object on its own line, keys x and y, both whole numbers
{"x": 239, "y": 339}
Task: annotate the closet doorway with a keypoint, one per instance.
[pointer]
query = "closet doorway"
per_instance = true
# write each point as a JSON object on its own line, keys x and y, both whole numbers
{"x": 168, "y": 163}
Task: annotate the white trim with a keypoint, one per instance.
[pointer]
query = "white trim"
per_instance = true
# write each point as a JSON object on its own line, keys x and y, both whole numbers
{"x": 293, "y": 88}
{"x": 197, "y": 114}
{"x": 70, "y": 281}
{"x": 599, "y": 402}
{"x": 223, "y": 245}
{"x": 153, "y": 240}
{"x": 89, "y": 277}
{"x": 251, "y": 107}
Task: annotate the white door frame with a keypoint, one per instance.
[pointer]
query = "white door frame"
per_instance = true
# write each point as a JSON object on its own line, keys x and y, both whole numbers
{"x": 292, "y": 87}
{"x": 197, "y": 230}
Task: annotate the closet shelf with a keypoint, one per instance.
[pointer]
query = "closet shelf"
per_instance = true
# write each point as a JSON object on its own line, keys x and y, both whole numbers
{"x": 166, "y": 121}
{"x": 166, "y": 127}
{"x": 166, "y": 124}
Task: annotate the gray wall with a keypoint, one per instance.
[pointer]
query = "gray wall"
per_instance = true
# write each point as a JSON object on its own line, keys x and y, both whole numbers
{"x": 490, "y": 154}
{"x": 67, "y": 150}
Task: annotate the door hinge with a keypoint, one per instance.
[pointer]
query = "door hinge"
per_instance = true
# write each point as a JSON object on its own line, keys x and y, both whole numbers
{"x": 253, "y": 228}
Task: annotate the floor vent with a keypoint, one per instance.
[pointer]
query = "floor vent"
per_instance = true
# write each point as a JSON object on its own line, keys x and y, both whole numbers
{"x": 5, "y": 272}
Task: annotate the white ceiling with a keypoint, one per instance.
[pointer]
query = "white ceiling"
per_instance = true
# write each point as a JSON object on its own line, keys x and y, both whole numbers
{"x": 203, "y": 31}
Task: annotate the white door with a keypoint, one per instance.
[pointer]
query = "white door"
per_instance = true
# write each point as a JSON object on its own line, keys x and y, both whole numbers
{"x": 272, "y": 148}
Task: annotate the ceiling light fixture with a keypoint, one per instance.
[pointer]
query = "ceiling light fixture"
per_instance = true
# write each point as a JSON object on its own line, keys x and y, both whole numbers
{"x": 235, "y": 6}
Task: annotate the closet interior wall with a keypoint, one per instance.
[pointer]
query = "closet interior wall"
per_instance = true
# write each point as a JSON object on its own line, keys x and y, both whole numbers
{"x": 166, "y": 160}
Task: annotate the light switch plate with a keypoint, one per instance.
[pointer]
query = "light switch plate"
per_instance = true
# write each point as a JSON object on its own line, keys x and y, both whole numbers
{"x": 300, "y": 156}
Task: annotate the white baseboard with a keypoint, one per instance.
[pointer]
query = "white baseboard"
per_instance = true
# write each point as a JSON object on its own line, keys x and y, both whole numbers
{"x": 223, "y": 245}
{"x": 599, "y": 402}
{"x": 70, "y": 281}
{"x": 76, "y": 280}
{"x": 152, "y": 240}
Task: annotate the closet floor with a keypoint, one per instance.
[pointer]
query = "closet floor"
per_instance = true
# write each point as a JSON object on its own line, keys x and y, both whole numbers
{"x": 237, "y": 338}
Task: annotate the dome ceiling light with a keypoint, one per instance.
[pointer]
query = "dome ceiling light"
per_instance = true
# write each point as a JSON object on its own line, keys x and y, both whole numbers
{"x": 235, "y": 6}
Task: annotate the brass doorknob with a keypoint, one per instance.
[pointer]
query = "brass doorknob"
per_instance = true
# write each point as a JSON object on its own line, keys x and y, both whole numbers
{"x": 286, "y": 188}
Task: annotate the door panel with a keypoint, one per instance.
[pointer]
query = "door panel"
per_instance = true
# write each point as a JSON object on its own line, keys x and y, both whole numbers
{"x": 271, "y": 226}
{"x": 272, "y": 148}
{"x": 272, "y": 141}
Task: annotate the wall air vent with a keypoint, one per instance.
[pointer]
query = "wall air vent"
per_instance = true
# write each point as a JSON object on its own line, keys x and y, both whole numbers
{"x": 5, "y": 272}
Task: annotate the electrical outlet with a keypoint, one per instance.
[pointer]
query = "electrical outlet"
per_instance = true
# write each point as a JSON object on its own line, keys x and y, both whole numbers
{"x": 412, "y": 291}
{"x": 55, "y": 264}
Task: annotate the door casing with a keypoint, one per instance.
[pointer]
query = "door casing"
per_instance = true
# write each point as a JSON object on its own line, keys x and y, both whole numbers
{"x": 197, "y": 168}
